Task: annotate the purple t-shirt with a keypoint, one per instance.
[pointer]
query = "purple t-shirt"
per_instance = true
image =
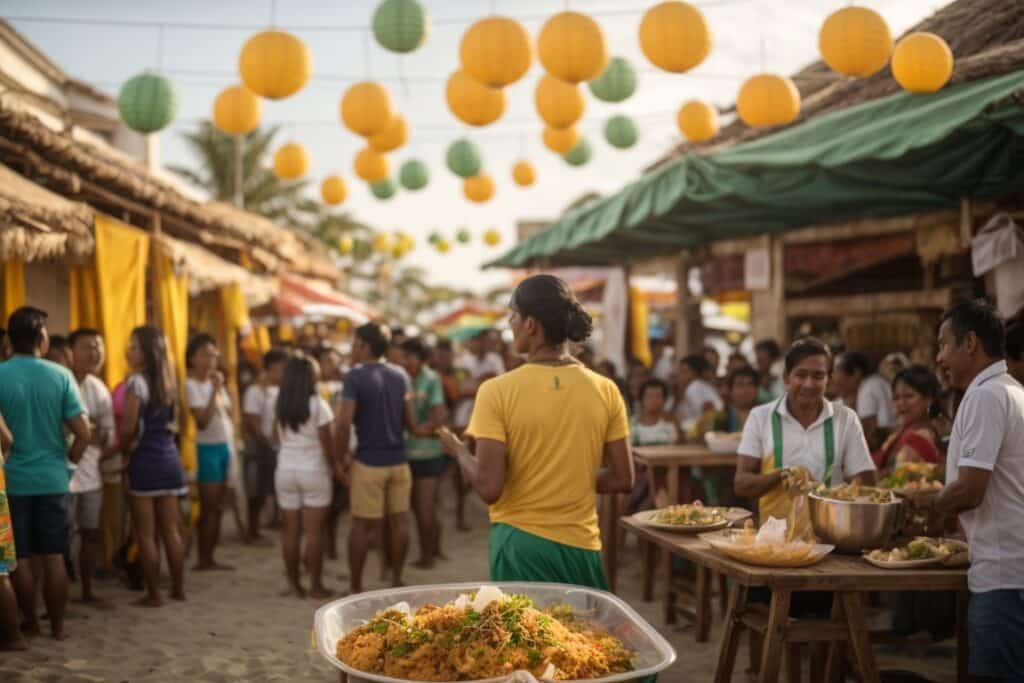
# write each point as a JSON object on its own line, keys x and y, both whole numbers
{"x": 379, "y": 391}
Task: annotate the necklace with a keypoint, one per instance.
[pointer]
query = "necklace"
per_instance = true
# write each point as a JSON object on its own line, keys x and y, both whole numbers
{"x": 564, "y": 359}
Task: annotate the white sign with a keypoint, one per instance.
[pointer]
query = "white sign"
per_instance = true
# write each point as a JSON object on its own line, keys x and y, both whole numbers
{"x": 757, "y": 270}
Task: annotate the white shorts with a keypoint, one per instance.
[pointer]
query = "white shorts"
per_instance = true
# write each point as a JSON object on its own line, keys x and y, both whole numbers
{"x": 296, "y": 489}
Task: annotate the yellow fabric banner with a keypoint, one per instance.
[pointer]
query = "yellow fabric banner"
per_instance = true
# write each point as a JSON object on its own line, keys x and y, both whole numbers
{"x": 84, "y": 297}
{"x": 122, "y": 253}
{"x": 236, "y": 321}
{"x": 172, "y": 296}
{"x": 13, "y": 288}
{"x": 640, "y": 346}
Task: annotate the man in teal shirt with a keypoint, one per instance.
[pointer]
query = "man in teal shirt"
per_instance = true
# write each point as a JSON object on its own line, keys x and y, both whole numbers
{"x": 39, "y": 399}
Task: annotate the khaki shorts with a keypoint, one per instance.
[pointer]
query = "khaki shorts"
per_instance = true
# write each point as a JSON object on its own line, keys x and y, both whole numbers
{"x": 377, "y": 491}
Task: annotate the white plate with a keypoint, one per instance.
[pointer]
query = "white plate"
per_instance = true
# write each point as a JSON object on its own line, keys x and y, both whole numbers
{"x": 916, "y": 564}
{"x": 721, "y": 442}
{"x": 722, "y": 541}
{"x": 732, "y": 515}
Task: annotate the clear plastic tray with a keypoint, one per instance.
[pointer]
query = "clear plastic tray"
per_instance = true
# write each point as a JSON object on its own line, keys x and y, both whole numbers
{"x": 653, "y": 652}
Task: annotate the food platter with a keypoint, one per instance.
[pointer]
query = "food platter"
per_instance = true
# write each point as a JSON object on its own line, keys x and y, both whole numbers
{"x": 723, "y": 442}
{"x": 743, "y": 548}
{"x": 958, "y": 547}
{"x": 730, "y": 515}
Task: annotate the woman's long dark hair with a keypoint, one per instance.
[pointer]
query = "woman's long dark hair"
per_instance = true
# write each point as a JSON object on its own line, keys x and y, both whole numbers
{"x": 923, "y": 381}
{"x": 157, "y": 371}
{"x": 549, "y": 301}
{"x": 298, "y": 383}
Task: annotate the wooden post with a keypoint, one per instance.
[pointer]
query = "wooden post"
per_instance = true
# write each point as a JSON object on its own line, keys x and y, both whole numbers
{"x": 154, "y": 268}
{"x": 682, "y": 305}
{"x": 239, "y": 196}
{"x": 778, "y": 290}
{"x": 627, "y": 338}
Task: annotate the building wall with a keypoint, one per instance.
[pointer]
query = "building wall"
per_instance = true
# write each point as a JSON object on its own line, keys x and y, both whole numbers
{"x": 47, "y": 286}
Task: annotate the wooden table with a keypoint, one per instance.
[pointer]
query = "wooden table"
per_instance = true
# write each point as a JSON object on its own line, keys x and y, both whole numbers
{"x": 676, "y": 459}
{"x": 848, "y": 577}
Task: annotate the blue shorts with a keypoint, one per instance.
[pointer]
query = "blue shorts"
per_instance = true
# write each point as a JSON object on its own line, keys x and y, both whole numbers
{"x": 214, "y": 461}
{"x": 425, "y": 469}
{"x": 40, "y": 524}
{"x": 995, "y": 629}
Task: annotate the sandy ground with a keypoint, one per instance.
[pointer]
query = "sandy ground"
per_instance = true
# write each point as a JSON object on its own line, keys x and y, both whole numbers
{"x": 234, "y": 626}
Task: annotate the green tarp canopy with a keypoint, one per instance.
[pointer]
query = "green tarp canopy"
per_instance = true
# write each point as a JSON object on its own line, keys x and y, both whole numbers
{"x": 898, "y": 155}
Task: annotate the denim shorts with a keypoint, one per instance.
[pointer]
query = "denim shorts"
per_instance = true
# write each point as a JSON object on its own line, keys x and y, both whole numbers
{"x": 40, "y": 524}
{"x": 995, "y": 627}
{"x": 214, "y": 462}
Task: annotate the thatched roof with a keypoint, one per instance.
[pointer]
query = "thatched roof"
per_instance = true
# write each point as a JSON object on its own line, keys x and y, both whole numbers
{"x": 36, "y": 224}
{"x": 79, "y": 169}
{"x": 986, "y": 37}
{"x": 207, "y": 271}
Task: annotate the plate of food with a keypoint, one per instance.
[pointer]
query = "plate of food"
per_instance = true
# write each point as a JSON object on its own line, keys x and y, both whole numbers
{"x": 489, "y": 633}
{"x": 747, "y": 545}
{"x": 692, "y": 518}
{"x": 723, "y": 442}
{"x": 913, "y": 477}
{"x": 922, "y": 551}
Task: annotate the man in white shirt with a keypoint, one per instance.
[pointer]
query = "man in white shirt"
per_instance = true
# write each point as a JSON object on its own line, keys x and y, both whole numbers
{"x": 694, "y": 395}
{"x": 259, "y": 406}
{"x": 86, "y": 486}
{"x": 481, "y": 365}
{"x": 869, "y": 392}
{"x": 985, "y": 485}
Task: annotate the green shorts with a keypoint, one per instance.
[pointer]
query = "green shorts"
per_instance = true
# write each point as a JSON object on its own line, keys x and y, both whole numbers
{"x": 518, "y": 556}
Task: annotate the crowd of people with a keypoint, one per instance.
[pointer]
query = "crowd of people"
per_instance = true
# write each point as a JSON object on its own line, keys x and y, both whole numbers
{"x": 535, "y": 426}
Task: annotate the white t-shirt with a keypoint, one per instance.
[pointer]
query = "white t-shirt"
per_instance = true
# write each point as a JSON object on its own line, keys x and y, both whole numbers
{"x": 490, "y": 364}
{"x": 988, "y": 433}
{"x": 262, "y": 401}
{"x": 100, "y": 409}
{"x": 218, "y": 429}
{"x": 874, "y": 399}
{"x": 697, "y": 394}
{"x": 806, "y": 447}
{"x": 302, "y": 450}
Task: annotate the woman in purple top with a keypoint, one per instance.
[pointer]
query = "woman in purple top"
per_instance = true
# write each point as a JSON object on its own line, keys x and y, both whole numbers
{"x": 155, "y": 476}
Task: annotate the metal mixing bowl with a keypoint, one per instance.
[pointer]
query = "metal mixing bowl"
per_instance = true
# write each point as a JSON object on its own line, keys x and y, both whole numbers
{"x": 854, "y": 527}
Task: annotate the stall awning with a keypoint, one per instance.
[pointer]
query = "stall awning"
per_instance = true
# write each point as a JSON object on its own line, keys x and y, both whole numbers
{"x": 897, "y": 155}
{"x": 207, "y": 271}
{"x": 301, "y": 296}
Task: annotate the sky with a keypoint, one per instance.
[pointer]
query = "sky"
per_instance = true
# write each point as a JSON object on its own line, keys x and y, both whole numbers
{"x": 749, "y": 36}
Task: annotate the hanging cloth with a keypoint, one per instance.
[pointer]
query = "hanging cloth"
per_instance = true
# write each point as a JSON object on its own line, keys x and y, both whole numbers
{"x": 122, "y": 253}
{"x": 13, "y": 288}
{"x": 640, "y": 347}
{"x": 777, "y": 502}
{"x": 84, "y": 297}
{"x": 172, "y": 296}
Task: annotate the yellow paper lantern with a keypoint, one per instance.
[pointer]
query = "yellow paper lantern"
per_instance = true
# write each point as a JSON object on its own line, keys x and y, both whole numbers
{"x": 492, "y": 237}
{"x": 333, "y": 190}
{"x": 674, "y": 36}
{"x": 366, "y": 108}
{"x": 443, "y": 245}
{"x": 392, "y": 137}
{"x": 237, "y": 111}
{"x": 371, "y": 165}
{"x": 496, "y": 51}
{"x": 560, "y": 104}
{"x": 473, "y": 103}
{"x": 561, "y": 140}
{"x": 855, "y": 41}
{"x": 346, "y": 245}
{"x": 698, "y": 121}
{"x": 768, "y": 100}
{"x": 405, "y": 241}
{"x": 922, "y": 63}
{"x": 571, "y": 47}
{"x": 275, "y": 64}
{"x": 382, "y": 242}
{"x": 524, "y": 173}
{"x": 291, "y": 161}
{"x": 479, "y": 188}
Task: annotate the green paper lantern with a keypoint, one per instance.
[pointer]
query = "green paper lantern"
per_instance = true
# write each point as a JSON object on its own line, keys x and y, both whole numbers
{"x": 362, "y": 250}
{"x": 434, "y": 237}
{"x": 464, "y": 158}
{"x": 463, "y": 236}
{"x": 413, "y": 175}
{"x": 616, "y": 83}
{"x": 620, "y": 131}
{"x": 383, "y": 189}
{"x": 148, "y": 103}
{"x": 578, "y": 155}
{"x": 400, "y": 25}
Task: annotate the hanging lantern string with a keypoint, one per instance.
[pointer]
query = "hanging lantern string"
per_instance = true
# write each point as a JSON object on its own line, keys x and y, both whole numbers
{"x": 273, "y": 13}
{"x": 160, "y": 49}
{"x": 321, "y": 28}
{"x": 401, "y": 77}
{"x": 762, "y": 53}
{"x": 366, "y": 52}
